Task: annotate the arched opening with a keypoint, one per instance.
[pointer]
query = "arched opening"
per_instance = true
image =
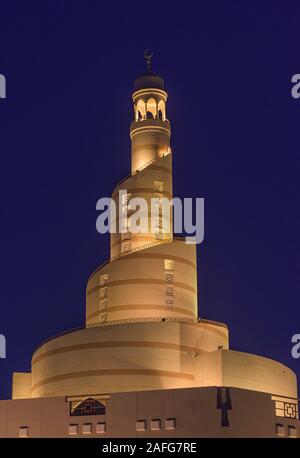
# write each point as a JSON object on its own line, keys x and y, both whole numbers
{"x": 140, "y": 111}
{"x": 162, "y": 110}
{"x": 151, "y": 108}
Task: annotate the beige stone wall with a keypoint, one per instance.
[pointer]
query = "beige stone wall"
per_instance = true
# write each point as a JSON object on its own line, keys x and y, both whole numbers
{"x": 137, "y": 285}
{"x": 195, "y": 413}
{"x": 127, "y": 357}
{"x": 150, "y": 139}
{"x": 244, "y": 370}
{"x": 149, "y": 355}
{"x": 254, "y": 372}
{"x": 21, "y": 388}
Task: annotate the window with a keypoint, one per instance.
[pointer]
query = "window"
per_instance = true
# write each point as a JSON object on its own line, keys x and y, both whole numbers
{"x": 290, "y": 410}
{"x": 87, "y": 428}
{"x": 125, "y": 198}
{"x": 155, "y": 425}
{"x": 103, "y": 317}
{"x": 162, "y": 110}
{"x": 140, "y": 110}
{"x": 158, "y": 186}
{"x": 169, "y": 282}
{"x": 73, "y": 430}
{"x": 170, "y": 423}
{"x": 169, "y": 302}
{"x": 88, "y": 406}
{"x": 126, "y": 235}
{"x": 286, "y": 409}
{"x": 103, "y": 305}
{"x": 103, "y": 279}
{"x": 126, "y": 224}
{"x": 151, "y": 108}
{"x": 23, "y": 431}
{"x": 170, "y": 291}
{"x": 103, "y": 293}
{"x": 159, "y": 208}
{"x": 292, "y": 431}
{"x": 169, "y": 277}
{"x": 101, "y": 428}
{"x": 279, "y": 430}
{"x": 169, "y": 264}
{"x": 126, "y": 247}
{"x": 141, "y": 425}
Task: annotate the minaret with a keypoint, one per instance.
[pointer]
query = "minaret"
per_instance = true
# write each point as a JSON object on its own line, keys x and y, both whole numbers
{"x": 150, "y": 130}
{"x": 151, "y": 275}
{"x": 151, "y": 163}
{"x": 142, "y": 330}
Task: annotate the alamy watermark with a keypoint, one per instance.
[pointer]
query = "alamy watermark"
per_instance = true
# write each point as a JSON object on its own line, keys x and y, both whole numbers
{"x": 296, "y": 346}
{"x": 138, "y": 215}
{"x": 295, "y": 91}
{"x": 2, "y": 346}
{"x": 2, "y": 87}
{"x": 2, "y": 96}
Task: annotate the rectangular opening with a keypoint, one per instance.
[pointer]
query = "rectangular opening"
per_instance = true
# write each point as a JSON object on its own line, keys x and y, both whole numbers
{"x": 156, "y": 424}
{"x": 103, "y": 279}
{"x": 141, "y": 425}
{"x": 101, "y": 428}
{"x": 170, "y": 423}
{"x": 73, "y": 429}
{"x": 23, "y": 431}
{"x": 158, "y": 186}
{"x": 169, "y": 264}
{"x": 87, "y": 428}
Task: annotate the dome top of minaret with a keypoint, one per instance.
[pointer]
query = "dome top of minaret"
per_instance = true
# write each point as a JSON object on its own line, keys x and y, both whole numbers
{"x": 149, "y": 79}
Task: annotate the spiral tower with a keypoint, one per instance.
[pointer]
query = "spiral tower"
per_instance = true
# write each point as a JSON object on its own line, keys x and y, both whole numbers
{"x": 142, "y": 330}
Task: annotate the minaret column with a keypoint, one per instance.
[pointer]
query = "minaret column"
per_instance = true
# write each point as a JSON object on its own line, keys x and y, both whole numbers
{"x": 150, "y": 131}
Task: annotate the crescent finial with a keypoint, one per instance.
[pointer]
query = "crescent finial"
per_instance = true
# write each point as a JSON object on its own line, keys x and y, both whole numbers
{"x": 148, "y": 56}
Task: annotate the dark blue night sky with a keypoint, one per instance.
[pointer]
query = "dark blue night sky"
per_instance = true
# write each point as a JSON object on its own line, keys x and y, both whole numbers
{"x": 64, "y": 143}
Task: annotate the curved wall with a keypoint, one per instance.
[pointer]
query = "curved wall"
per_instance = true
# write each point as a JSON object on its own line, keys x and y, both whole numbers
{"x": 139, "y": 285}
{"x": 127, "y": 357}
{"x": 150, "y": 139}
{"x": 245, "y": 370}
{"x": 142, "y": 184}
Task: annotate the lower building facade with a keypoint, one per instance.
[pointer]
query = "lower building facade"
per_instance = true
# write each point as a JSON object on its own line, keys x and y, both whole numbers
{"x": 184, "y": 412}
